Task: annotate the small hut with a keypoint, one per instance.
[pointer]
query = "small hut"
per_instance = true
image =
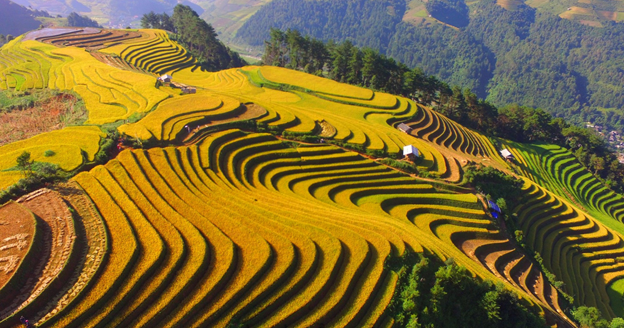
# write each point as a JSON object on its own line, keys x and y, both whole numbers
{"x": 404, "y": 128}
{"x": 507, "y": 154}
{"x": 165, "y": 78}
{"x": 494, "y": 209}
{"x": 410, "y": 152}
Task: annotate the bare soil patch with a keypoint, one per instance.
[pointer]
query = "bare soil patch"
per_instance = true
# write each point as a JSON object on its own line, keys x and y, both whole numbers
{"x": 17, "y": 229}
{"x": 53, "y": 113}
{"x": 610, "y": 15}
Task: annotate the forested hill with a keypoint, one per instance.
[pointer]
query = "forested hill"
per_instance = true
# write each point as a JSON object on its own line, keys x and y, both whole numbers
{"x": 197, "y": 36}
{"x": 16, "y": 20}
{"x": 520, "y": 56}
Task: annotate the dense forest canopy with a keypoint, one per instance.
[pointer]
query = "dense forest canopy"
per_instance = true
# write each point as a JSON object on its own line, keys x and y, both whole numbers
{"x": 521, "y": 56}
{"x": 197, "y": 36}
{"x": 428, "y": 291}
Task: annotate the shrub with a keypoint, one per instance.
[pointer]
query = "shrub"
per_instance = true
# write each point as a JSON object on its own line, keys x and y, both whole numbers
{"x": 49, "y": 153}
{"x": 401, "y": 165}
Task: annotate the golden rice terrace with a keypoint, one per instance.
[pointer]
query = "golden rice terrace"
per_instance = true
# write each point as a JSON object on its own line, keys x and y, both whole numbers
{"x": 224, "y": 218}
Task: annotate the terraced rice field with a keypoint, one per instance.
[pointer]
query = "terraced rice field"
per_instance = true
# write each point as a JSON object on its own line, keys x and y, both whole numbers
{"x": 110, "y": 94}
{"x": 582, "y": 252}
{"x": 298, "y": 236}
{"x": 154, "y": 52}
{"x": 90, "y": 38}
{"x": 558, "y": 170}
{"x": 72, "y": 147}
{"x": 226, "y": 223}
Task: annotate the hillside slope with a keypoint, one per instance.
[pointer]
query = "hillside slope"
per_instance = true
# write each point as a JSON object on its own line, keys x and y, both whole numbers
{"x": 268, "y": 196}
{"x": 518, "y": 56}
{"x": 15, "y": 19}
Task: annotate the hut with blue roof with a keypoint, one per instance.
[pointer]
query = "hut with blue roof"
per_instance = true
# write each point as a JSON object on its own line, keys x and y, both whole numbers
{"x": 494, "y": 209}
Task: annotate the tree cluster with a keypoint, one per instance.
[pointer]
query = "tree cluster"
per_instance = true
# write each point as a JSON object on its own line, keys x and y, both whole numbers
{"x": 39, "y": 13}
{"x": 6, "y": 39}
{"x": 434, "y": 294}
{"x": 199, "y": 37}
{"x": 494, "y": 183}
{"x": 76, "y": 20}
{"x": 590, "y": 317}
{"x": 366, "y": 67}
{"x": 158, "y": 21}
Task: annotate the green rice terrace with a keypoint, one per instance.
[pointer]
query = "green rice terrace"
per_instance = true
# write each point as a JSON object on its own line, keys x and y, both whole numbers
{"x": 262, "y": 196}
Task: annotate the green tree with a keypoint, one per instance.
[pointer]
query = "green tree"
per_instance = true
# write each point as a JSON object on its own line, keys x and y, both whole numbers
{"x": 369, "y": 66}
{"x": 24, "y": 164}
{"x": 589, "y": 317}
{"x": 157, "y": 21}
{"x": 275, "y": 49}
{"x": 340, "y": 63}
{"x": 598, "y": 163}
{"x": 617, "y": 323}
{"x": 355, "y": 67}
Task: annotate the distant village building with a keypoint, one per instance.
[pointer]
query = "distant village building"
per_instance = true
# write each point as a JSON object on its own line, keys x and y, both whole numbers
{"x": 411, "y": 152}
{"x": 165, "y": 78}
{"x": 404, "y": 128}
{"x": 506, "y": 154}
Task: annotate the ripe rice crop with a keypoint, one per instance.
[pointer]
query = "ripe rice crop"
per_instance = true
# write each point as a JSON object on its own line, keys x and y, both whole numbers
{"x": 121, "y": 260}
{"x": 242, "y": 228}
{"x": 329, "y": 87}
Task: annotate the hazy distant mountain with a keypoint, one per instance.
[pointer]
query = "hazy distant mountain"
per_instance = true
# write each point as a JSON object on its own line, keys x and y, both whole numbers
{"x": 227, "y": 16}
{"x": 117, "y": 13}
{"x": 16, "y": 19}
